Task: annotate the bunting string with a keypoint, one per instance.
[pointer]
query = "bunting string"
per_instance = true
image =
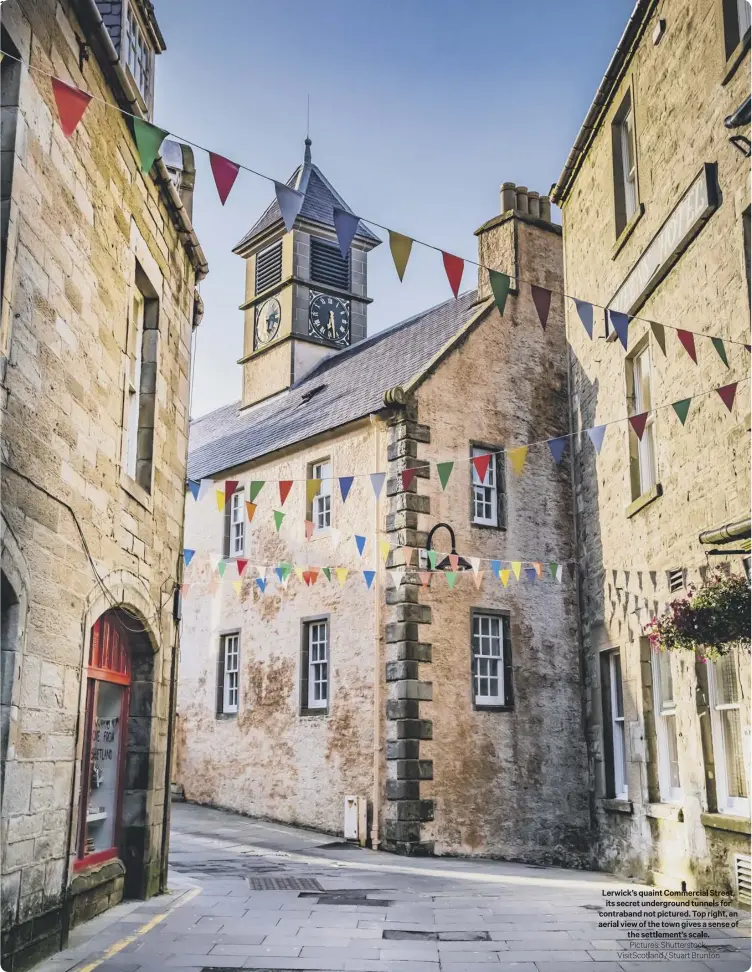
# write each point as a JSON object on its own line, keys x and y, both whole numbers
{"x": 72, "y": 103}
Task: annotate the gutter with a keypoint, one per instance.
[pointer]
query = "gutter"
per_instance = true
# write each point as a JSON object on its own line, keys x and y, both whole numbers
{"x": 621, "y": 57}
{"x": 736, "y": 530}
{"x": 89, "y": 12}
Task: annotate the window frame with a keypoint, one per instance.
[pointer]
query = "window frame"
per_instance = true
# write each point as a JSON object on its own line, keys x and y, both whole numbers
{"x": 614, "y": 726}
{"x": 229, "y": 551}
{"x": 324, "y": 496}
{"x": 643, "y": 455}
{"x": 733, "y": 806}
{"x": 138, "y": 314}
{"x": 131, "y": 14}
{"x": 624, "y": 163}
{"x": 506, "y": 678}
{"x": 664, "y": 716}
{"x": 308, "y": 705}
{"x": 733, "y": 41}
{"x": 224, "y": 706}
{"x": 498, "y": 521}
{"x": 139, "y": 406}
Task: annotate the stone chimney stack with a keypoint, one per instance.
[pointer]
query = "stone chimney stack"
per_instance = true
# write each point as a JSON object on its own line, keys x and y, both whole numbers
{"x": 524, "y": 219}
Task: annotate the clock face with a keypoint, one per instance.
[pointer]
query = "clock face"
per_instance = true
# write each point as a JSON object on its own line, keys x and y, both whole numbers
{"x": 329, "y": 318}
{"x": 267, "y": 321}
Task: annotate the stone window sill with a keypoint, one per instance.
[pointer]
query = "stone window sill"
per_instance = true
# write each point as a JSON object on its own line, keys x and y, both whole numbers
{"x": 735, "y": 58}
{"x": 622, "y": 238}
{"x": 136, "y": 492}
{"x": 665, "y": 811}
{"x": 725, "y": 821}
{"x": 313, "y": 712}
{"x": 645, "y": 500}
{"x": 616, "y": 806}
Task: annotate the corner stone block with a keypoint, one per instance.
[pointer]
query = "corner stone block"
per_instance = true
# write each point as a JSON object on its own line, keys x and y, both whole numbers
{"x": 401, "y": 670}
{"x": 415, "y": 729}
{"x": 401, "y": 631}
{"x": 403, "y": 749}
{"x": 403, "y": 709}
{"x": 402, "y": 830}
{"x": 403, "y": 790}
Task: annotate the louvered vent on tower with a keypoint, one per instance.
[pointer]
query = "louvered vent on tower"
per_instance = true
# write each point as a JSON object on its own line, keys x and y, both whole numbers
{"x": 269, "y": 267}
{"x": 327, "y": 265}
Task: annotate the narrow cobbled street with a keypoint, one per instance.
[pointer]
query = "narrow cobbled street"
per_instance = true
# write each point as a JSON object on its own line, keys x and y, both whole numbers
{"x": 247, "y": 894}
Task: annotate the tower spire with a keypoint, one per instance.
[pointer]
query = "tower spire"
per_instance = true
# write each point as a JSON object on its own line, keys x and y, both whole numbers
{"x": 307, "y": 155}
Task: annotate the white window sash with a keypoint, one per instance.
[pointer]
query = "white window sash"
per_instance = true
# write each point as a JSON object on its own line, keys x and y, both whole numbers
{"x": 488, "y": 665}
{"x": 137, "y": 53}
{"x": 231, "y": 687}
{"x": 645, "y": 445}
{"x": 733, "y": 805}
{"x": 664, "y": 712}
{"x": 618, "y": 732}
{"x": 321, "y": 506}
{"x": 237, "y": 524}
{"x": 134, "y": 388}
{"x": 628, "y": 166}
{"x": 744, "y": 13}
{"x": 485, "y": 501}
{"x": 318, "y": 665}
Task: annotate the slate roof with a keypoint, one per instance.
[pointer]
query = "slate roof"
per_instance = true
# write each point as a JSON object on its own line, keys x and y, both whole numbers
{"x": 318, "y": 205}
{"x": 351, "y": 385}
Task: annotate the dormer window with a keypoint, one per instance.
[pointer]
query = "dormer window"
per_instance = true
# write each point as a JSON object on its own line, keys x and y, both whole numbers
{"x": 138, "y": 55}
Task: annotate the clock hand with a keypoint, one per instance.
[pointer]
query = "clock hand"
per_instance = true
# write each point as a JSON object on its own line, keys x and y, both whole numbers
{"x": 330, "y": 325}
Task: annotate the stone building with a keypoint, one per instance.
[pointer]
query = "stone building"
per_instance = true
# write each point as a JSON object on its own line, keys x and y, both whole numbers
{"x": 451, "y": 714}
{"x": 656, "y": 217}
{"x": 100, "y": 263}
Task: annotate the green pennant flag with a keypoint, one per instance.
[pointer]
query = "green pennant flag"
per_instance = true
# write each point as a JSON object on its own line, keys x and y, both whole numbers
{"x": 221, "y": 568}
{"x": 500, "y": 287}
{"x": 432, "y": 557}
{"x": 148, "y": 139}
{"x": 286, "y": 570}
{"x": 553, "y": 568}
{"x": 278, "y": 518}
{"x": 327, "y": 572}
{"x": 682, "y": 408}
{"x": 721, "y": 349}
{"x": 451, "y": 577}
{"x": 444, "y": 469}
{"x": 256, "y": 486}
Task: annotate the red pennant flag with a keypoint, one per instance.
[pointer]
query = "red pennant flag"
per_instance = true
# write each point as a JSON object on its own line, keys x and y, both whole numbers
{"x": 231, "y": 486}
{"x": 307, "y": 577}
{"x": 454, "y": 561}
{"x": 285, "y": 485}
{"x": 225, "y": 173}
{"x": 241, "y": 564}
{"x": 71, "y": 104}
{"x": 481, "y": 464}
{"x": 687, "y": 339}
{"x": 748, "y": 347}
{"x": 542, "y": 301}
{"x": 408, "y": 475}
{"x": 728, "y": 394}
{"x": 454, "y": 267}
{"x": 310, "y": 526}
{"x": 638, "y": 423}
{"x": 425, "y": 577}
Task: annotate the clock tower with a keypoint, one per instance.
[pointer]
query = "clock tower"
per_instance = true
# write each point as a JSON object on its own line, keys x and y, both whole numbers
{"x": 302, "y": 299}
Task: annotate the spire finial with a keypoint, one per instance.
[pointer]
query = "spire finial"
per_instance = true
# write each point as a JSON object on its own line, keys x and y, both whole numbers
{"x": 307, "y": 156}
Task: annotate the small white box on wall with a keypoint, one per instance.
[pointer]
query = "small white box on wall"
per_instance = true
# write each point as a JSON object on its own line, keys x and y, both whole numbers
{"x": 356, "y": 819}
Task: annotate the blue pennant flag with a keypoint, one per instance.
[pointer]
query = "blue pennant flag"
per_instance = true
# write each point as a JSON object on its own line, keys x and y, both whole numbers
{"x": 495, "y": 567}
{"x": 345, "y": 482}
{"x": 188, "y": 556}
{"x": 557, "y": 447}
{"x": 368, "y": 576}
{"x": 531, "y": 573}
{"x": 194, "y": 488}
{"x": 377, "y": 481}
{"x": 620, "y": 324}
{"x": 261, "y": 581}
{"x": 596, "y": 436}
{"x": 290, "y": 203}
{"x": 280, "y": 574}
{"x": 360, "y": 543}
{"x": 585, "y": 312}
{"x": 346, "y": 226}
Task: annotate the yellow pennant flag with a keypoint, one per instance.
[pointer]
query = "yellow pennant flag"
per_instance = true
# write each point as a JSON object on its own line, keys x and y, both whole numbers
{"x": 312, "y": 488}
{"x": 342, "y": 573}
{"x": 504, "y": 575}
{"x": 517, "y": 458}
{"x": 400, "y": 246}
{"x": 220, "y": 494}
{"x": 299, "y": 572}
{"x": 516, "y": 567}
{"x": 384, "y": 548}
{"x": 238, "y": 585}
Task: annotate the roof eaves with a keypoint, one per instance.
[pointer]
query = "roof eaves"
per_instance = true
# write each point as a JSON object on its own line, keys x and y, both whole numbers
{"x": 620, "y": 60}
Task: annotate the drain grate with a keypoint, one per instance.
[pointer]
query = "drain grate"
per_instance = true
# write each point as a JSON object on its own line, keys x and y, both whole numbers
{"x": 403, "y": 935}
{"x": 284, "y": 884}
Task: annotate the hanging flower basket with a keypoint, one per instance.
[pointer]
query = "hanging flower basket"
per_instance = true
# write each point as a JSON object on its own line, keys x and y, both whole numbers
{"x": 709, "y": 621}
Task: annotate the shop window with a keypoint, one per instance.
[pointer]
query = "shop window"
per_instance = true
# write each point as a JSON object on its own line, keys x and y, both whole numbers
{"x": 105, "y": 740}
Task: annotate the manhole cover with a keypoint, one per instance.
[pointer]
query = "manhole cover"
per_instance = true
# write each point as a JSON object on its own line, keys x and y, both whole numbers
{"x": 283, "y": 884}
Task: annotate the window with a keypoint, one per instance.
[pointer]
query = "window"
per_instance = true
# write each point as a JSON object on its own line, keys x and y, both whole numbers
{"x": 644, "y": 474}
{"x": 234, "y": 536}
{"x": 487, "y": 496}
{"x": 732, "y": 791}
{"x": 320, "y": 510}
{"x": 228, "y": 674}
{"x": 269, "y": 267}
{"x": 143, "y": 347}
{"x": 137, "y": 54}
{"x": 615, "y": 750}
{"x": 625, "y": 168}
{"x": 736, "y": 24}
{"x": 10, "y": 70}
{"x": 327, "y": 265}
{"x": 665, "y": 728}
{"x": 315, "y": 665}
{"x": 491, "y": 660}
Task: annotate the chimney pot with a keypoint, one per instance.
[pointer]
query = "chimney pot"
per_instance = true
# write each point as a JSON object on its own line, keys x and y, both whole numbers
{"x": 508, "y": 196}
{"x": 545, "y": 208}
{"x": 522, "y": 199}
{"x": 533, "y": 204}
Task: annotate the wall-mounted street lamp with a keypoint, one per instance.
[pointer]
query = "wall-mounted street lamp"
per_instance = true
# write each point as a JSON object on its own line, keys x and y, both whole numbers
{"x": 444, "y": 564}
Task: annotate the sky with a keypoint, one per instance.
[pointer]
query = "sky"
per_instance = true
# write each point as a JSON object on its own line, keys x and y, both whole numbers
{"x": 420, "y": 109}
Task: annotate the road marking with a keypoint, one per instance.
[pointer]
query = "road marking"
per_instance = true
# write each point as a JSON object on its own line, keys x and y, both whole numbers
{"x": 124, "y": 942}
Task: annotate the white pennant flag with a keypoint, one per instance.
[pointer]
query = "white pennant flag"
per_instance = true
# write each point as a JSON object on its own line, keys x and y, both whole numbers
{"x": 335, "y": 536}
{"x": 559, "y": 573}
{"x": 474, "y": 563}
{"x": 397, "y": 576}
{"x": 204, "y": 487}
{"x": 261, "y": 568}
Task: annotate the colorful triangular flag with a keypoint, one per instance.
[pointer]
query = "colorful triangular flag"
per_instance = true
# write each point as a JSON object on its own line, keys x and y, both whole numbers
{"x": 377, "y": 481}
{"x": 327, "y": 572}
{"x": 559, "y": 573}
{"x": 425, "y": 577}
{"x": 596, "y": 435}
{"x": 444, "y": 469}
{"x": 220, "y": 494}
{"x": 585, "y": 313}
{"x": 432, "y": 558}
{"x": 71, "y": 104}
{"x": 659, "y": 333}
{"x": 237, "y": 586}
{"x": 225, "y": 173}
{"x": 530, "y": 573}
{"x": 360, "y": 543}
{"x": 451, "y": 578}
{"x": 517, "y": 458}
{"x": 454, "y": 561}
{"x": 557, "y": 447}
{"x": 638, "y": 423}
{"x": 474, "y": 563}
{"x": 542, "y": 301}
{"x": 255, "y": 487}
{"x": 454, "y": 267}
{"x": 300, "y": 573}
{"x": 345, "y": 484}
{"x": 553, "y": 568}
{"x": 400, "y": 246}
{"x": 384, "y": 548}
{"x": 397, "y": 576}
{"x": 721, "y": 349}
{"x": 620, "y": 324}
{"x": 231, "y": 487}
{"x": 504, "y": 576}
{"x": 206, "y": 485}
{"x": 496, "y": 567}
{"x": 261, "y": 584}
{"x": 221, "y": 568}
{"x": 346, "y": 226}
{"x": 728, "y": 393}
{"x": 500, "y": 283}
{"x": 342, "y": 573}
{"x": 687, "y": 339}
{"x": 290, "y": 203}
{"x": 250, "y": 509}
{"x": 280, "y": 574}
{"x": 538, "y": 568}
{"x": 285, "y": 485}
{"x": 278, "y": 518}
{"x": 478, "y": 578}
{"x": 241, "y": 563}
{"x": 368, "y": 576}
{"x": 481, "y": 463}
{"x": 516, "y": 568}
{"x": 408, "y": 475}
{"x": 188, "y": 555}
{"x": 310, "y": 527}
{"x": 682, "y": 408}
{"x": 312, "y": 489}
{"x": 194, "y": 488}
{"x": 148, "y": 140}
